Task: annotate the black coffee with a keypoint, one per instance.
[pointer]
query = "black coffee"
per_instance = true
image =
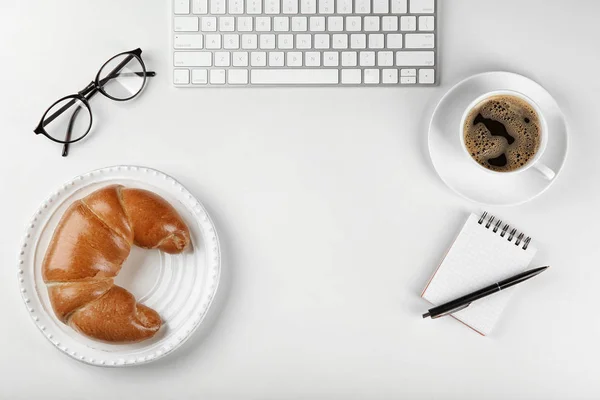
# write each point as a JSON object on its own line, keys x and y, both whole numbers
{"x": 502, "y": 133}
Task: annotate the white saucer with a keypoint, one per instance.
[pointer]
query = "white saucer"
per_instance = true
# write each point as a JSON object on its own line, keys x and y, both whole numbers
{"x": 461, "y": 174}
{"x": 179, "y": 287}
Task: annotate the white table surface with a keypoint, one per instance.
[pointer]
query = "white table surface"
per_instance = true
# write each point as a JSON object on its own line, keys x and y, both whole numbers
{"x": 330, "y": 214}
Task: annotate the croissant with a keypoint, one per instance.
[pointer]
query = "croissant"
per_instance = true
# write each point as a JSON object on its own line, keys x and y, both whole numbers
{"x": 91, "y": 242}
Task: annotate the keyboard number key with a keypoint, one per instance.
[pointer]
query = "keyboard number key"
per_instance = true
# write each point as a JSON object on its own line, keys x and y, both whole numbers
{"x": 271, "y": 6}
{"x": 344, "y": 6}
{"x": 217, "y": 6}
{"x": 200, "y": 6}
{"x": 362, "y": 6}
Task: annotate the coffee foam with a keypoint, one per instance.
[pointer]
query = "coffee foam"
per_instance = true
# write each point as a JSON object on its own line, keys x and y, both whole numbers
{"x": 518, "y": 119}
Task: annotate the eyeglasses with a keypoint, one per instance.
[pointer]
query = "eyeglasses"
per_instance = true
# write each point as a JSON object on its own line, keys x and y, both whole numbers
{"x": 69, "y": 119}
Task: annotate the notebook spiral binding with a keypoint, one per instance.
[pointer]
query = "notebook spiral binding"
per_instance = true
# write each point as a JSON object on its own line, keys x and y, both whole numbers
{"x": 503, "y": 232}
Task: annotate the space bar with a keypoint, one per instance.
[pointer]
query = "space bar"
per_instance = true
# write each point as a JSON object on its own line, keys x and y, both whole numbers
{"x": 294, "y": 76}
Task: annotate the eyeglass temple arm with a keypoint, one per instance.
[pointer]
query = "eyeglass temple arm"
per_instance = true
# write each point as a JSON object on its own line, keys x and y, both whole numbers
{"x": 87, "y": 90}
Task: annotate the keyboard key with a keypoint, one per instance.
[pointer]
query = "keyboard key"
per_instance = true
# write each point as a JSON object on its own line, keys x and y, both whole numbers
{"x": 414, "y": 58}
{"x": 358, "y": 41}
{"x": 299, "y": 24}
{"x": 385, "y": 58}
{"x": 308, "y": 6}
{"x": 231, "y": 41}
{"x": 390, "y": 76}
{"x": 294, "y": 59}
{"x": 192, "y": 59}
{"x": 271, "y": 6}
{"x": 321, "y": 41}
{"x": 185, "y": 24}
{"x": 244, "y": 24}
{"x": 200, "y": 6}
{"x": 408, "y": 23}
{"x": 419, "y": 40}
{"x": 340, "y": 41}
{"x": 249, "y": 41}
{"x": 254, "y": 7}
{"x": 367, "y": 58}
{"x": 181, "y": 76}
{"x": 237, "y": 76}
{"x": 331, "y": 59}
{"x": 353, "y": 24}
{"x": 426, "y": 23}
{"x": 236, "y": 7}
{"x": 371, "y": 76}
{"x": 240, "y": 59}
{"x": 217, "y": 76}
{"x": 317, "y": 24}
{"x": 351, "y": 76}
{"x": 267, "y": 41}
{"x": 426, "y": 76}
{"x": 335, "y": 24}
{"x": 285, "y": 41}
{"x": 290, "y": 6}
{"x": 408, "y": 80}
{"x": 187, "y": 41}
{"x": 326, "y": 6}
{"x": 199, "y": 76}
{"x": 226, "y": 24}
{"x": 281, "y": 24}
{"x": 213, "y": 42}
{"x": 376, "y": 41}
{"x": 303, "y": 41}
{"x": 394, "y": 40}
{"x": 381, "y": 6}
{"x": 217, "y": 6}
{"x": 399, "y": 7}
{"x": 344, "y": 6}
{"x": 263, "y": 24}
{"x": 313, "y": 59}
{"x": 408, "y": 72}
{"x": 422, "y": 6}
{"x": 276, "y": 59}
{"x": 362, "y": 6}
{"x": 181, "y": 7}
{"x": 294, "y": 76}
{"x": 209, "y": 24}
{"x": 349, "y": 58}
{"x": 258, "y": 59}
{"x": 371, "y": 24}
{"x": 389, "y": 24}
{"x": 222, "y": 59}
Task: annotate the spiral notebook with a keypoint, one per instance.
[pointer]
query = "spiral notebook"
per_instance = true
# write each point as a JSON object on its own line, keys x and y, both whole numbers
{"x": 485, "y": 251}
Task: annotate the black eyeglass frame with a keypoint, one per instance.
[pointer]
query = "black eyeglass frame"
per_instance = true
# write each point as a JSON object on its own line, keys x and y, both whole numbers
{"x": 97, "y": 85}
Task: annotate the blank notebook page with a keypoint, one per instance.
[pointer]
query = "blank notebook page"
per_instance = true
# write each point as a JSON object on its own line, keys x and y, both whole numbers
{"x": 479, "y": 257}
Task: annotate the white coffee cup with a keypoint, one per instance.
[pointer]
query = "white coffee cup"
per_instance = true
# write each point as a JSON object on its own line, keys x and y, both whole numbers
{"x": 535, "y": 160}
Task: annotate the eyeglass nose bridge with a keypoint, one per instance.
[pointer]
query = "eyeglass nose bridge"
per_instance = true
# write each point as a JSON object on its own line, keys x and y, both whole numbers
{"x": 90, "y": 87}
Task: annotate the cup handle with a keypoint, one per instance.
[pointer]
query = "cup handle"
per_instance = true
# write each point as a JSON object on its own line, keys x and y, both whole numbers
{"x": 547, "y": 172}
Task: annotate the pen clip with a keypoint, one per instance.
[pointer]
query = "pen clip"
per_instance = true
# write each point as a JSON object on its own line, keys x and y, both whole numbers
{"x": 452, "y": 311}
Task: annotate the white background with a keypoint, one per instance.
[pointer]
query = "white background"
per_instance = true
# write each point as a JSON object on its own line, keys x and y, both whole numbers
{"x": 330, "y": 214}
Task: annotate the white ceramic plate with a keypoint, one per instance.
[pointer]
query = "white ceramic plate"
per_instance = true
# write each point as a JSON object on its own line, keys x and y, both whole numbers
{"x": 180, "y": 287}
{"x": 461, "y": 174}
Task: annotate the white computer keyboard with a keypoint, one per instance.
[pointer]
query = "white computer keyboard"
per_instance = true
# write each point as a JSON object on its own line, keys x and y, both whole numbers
{"x": 304, "y": 42}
